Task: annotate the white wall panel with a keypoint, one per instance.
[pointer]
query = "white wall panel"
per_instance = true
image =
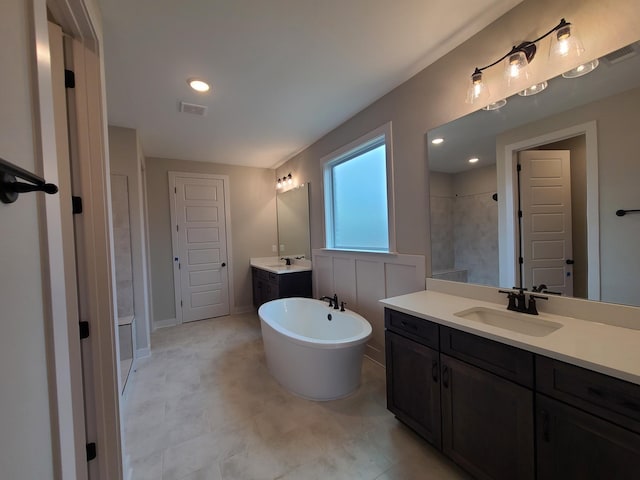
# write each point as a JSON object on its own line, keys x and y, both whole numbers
{"x": 362, "y": 279}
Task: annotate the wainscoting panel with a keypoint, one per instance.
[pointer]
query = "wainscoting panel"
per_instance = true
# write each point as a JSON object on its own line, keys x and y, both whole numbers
{"x": 362, "y": 279}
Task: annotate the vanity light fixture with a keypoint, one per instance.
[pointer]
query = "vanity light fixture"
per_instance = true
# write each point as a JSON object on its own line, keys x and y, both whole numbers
{"x": 564, "y": 44}
{"x": 437, "y": 141}
{"x": 582, "y": 69}
{"x": 533, "y": 89}
{"x": 198, "y": 85}
{"x": 474, "y": 160}
{"x": 279, "y": 183}
{"x": 289, "y": 179}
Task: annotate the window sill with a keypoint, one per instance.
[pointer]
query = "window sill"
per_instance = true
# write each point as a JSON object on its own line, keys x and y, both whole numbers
{"x": 368, "y": 252}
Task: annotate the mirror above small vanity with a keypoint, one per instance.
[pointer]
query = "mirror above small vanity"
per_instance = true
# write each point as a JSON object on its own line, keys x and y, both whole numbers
{"x": 474, "y": 206}
{"x": 293, "y": 222}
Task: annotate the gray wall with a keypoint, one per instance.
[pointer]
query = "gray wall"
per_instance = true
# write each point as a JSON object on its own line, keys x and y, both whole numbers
{"x": 125, "y": 159}
{"x": 253, "y": 226}
{"x": 436, "y": 96}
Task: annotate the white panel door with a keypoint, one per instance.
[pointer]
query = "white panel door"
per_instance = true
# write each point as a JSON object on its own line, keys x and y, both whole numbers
{"x": 545, "y": 185}
{"x": 201, "y": 247}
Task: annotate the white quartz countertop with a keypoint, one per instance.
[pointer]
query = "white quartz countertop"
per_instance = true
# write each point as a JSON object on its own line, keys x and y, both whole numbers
{"x": 274, "y": 265}
{"x": 607, "y": 349}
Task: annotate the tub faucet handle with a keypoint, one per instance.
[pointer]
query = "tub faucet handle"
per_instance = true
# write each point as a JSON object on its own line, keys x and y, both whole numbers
{"x": 342, "y": 304}
{"x": 335, "y": 301}
{"x": 328, "y": 298}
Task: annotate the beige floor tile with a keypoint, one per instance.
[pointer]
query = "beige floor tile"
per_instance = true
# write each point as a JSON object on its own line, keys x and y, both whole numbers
{"x": 204, "y": 407}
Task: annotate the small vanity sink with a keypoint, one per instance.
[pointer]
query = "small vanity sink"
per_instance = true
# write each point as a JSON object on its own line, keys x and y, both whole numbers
{"x": 516, "y": 322}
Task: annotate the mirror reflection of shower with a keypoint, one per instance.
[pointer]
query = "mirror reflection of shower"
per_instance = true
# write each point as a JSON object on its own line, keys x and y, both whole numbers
{"x": 293, "y": 222}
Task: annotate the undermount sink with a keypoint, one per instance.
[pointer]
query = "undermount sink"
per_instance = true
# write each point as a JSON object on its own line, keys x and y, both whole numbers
{"x": 516, "y": 322}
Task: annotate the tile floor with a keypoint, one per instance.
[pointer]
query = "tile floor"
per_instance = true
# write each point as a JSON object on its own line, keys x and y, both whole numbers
{"x": 204, "y": 407}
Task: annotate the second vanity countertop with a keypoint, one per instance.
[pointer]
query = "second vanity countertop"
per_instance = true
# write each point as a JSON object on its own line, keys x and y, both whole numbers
{"x": 607, "y": 349}
{"x": 277, "y": 266}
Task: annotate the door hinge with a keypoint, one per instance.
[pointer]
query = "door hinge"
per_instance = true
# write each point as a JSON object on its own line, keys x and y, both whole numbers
{"x": 180, "y": 302}
{"x": 84, "y": 330}
{"x": 69, "y": 79}
{"x": 177, "y": 228}
{"x": 519, "y": 168}
{"x": 521, "y": 260}
{"x": 91, "y": 451}
{"x": 76, "y": 205}
{"x": 520, "y": 213}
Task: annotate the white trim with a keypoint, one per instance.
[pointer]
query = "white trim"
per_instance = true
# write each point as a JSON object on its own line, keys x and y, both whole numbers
{"x": 66, "y": 393}
{"x": 174, "y": 237}
{"x": 167, "y": 322}
{"x": 507, "y": 210}
{"x": 141, "y": 353}
{"x": 334, "y": 158}
{"x": 242, "y": 309}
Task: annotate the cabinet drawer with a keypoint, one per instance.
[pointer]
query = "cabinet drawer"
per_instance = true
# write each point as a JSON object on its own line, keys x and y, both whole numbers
{"x": 602, "y": 395}
{"x": 504, "y": 360}
{"x": 421, "y": 330}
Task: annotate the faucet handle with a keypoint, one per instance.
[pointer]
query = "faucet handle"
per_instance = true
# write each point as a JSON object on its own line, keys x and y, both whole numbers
{"x": 532, "y": 308}
{"x": 342, "y": 304}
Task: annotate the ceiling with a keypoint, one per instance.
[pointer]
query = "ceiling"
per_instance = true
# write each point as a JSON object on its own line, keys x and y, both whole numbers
{"x": 283, "y": 72}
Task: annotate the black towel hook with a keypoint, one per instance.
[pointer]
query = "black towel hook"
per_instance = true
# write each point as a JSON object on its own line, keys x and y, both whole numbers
{"x": 10, "y": 188}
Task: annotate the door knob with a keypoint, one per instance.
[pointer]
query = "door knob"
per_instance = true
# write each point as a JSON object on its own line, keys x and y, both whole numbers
{"x": 224, "y": 264}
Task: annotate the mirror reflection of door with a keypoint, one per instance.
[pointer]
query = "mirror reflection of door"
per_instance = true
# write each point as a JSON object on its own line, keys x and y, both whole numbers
{"x": 545, "y": 194}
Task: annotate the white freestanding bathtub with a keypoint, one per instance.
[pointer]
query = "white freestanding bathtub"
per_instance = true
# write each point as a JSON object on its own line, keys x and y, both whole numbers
{"x": 313, "y": 350}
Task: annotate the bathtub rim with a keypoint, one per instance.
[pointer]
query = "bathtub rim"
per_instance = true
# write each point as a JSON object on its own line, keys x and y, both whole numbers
{"x": 314, "y": 342}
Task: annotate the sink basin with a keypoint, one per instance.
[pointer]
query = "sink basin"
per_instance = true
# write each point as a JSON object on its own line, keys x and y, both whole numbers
{"x": 516, "y": 322}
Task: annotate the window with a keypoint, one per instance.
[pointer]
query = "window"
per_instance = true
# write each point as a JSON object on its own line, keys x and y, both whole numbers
{"x": 357, "y": 193}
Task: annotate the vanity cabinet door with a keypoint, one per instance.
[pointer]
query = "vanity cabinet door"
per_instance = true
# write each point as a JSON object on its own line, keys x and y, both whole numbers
{"x": 413, "y": 386}
{"x": 487, "y": 422}
{"x": 574, "y": 444}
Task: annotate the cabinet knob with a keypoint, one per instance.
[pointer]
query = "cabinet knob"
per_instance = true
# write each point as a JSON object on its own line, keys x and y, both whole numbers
{"x": 224, "y": 264}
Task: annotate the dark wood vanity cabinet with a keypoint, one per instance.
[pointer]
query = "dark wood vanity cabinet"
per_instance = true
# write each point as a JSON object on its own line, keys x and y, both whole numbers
{"x": 505, "y": 413}
{"x": 413, "y": 385}
{"x": 480, "y": 420}
{"x": 487, "y": 422}
{"x": 588, "y": 424}
{"x": 269, "y": 286}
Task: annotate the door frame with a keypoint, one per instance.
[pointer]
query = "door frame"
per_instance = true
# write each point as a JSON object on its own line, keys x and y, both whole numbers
{"x": 177, "y": 285}
{"x": 507, "y": 209}
{"x": 80, "y": 19}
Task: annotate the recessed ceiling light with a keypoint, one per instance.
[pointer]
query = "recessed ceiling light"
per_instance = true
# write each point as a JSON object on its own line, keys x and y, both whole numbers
{"x": 198, "y": 85}
{"x": 473, "y": 160}
{"x": 437, "y": 141}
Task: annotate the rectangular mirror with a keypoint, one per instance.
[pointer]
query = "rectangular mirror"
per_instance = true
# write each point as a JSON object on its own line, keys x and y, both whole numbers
{"x": 293, "y": 222}
{"x": 577, "y": 146}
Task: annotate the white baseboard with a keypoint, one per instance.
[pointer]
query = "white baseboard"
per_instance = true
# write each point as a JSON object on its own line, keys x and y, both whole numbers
{"x": 167, "y": 322}
{"x": 142, "y": 353}
{"x": 242, "y": 309}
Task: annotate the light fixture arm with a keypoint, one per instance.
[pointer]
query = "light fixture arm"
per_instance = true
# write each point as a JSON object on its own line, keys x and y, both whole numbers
{"x": 527, "y": 47}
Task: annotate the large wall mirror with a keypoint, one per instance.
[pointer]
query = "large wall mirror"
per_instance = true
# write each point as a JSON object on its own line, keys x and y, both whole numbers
{"x": 293, "y": 222}
{"x": 577, "y": 145}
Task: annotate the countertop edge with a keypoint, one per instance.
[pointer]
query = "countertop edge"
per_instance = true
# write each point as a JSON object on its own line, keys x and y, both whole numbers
{"x": 535, "y": 345}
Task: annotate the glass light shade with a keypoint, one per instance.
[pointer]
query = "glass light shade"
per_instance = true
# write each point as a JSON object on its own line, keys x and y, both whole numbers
{"x": 198, "y": 85}
{"x": 496, "y": 105}
{"x": 582, "y": 69}
{"x": 478, "y": 91}
{"x": 565, "y": 44}
{"x": 516, "y": 68}
{"x": 533, "y": 89}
